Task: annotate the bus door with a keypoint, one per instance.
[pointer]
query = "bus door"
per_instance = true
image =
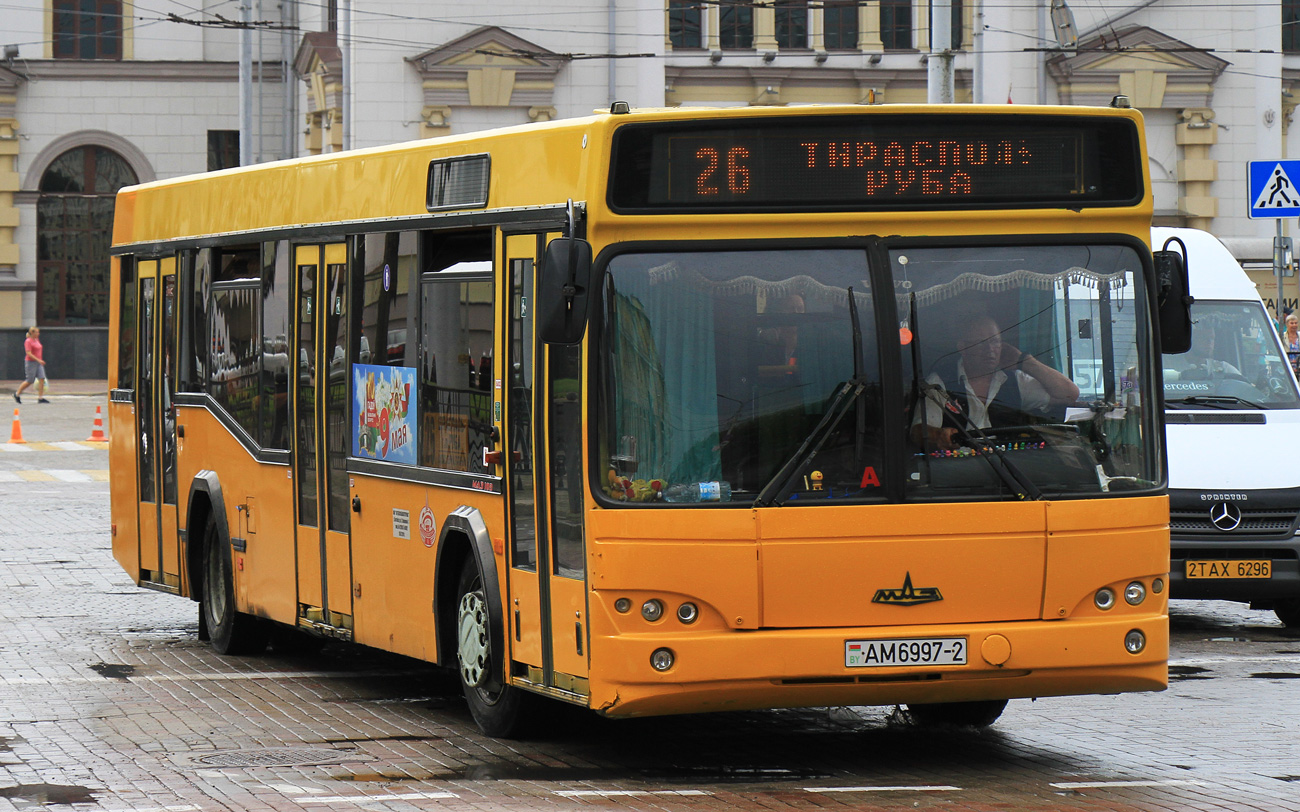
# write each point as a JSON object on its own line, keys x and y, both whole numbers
{"x": 320, "y": 437}
{"x": 547, "y": 589}
{"x": 155, "y": 416}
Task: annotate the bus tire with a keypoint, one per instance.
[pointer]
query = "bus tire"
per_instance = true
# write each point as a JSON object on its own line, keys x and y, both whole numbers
{"x": 229, "y": 630}
{"x": 499, "y": 710}
{"x": 957, "y": 714}
{"x": 1288, "y": 611}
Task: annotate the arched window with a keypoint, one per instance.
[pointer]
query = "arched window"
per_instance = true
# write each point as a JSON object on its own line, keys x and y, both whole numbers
{"x": 74, "y": 224}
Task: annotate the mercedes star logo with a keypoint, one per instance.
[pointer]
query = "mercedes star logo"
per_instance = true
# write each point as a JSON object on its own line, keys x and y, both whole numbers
{"x": 1225, "y": 516}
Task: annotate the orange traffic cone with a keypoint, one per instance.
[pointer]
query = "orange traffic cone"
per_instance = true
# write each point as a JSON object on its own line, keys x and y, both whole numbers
{"x": 16, "y": 436}
{"x": 97, "y": 436}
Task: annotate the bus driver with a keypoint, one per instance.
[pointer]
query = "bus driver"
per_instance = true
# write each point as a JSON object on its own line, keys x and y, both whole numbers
{"x": 993, "y": 383}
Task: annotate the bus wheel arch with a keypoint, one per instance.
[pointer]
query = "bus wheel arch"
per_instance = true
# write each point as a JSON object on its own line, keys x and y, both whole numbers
{"x": 464, "y": 537}
{"x": 206, "y": 502}
{"x": 471, "y": 628}
{"x": 209, "y": 559}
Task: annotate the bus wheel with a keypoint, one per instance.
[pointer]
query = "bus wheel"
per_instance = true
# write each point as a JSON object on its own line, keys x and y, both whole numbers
{"x": 957, "y": 714}
{"x": 1288, "y": 611}
{"x": 230, "y": 631}
{"x": 499, "y": 710}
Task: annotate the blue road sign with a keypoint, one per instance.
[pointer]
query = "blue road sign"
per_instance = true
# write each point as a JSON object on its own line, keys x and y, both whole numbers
{"x": 1273, "y": 191}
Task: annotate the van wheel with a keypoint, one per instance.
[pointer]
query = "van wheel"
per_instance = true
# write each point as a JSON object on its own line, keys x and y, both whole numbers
{"x": 957, "y": 714}
{"x": 229, "y": 631}
{"x": 1288, "y": 611}
{"x": 499, "y": 710}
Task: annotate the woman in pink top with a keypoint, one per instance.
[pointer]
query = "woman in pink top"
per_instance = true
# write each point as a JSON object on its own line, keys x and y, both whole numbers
{"x": 33, "y": 365}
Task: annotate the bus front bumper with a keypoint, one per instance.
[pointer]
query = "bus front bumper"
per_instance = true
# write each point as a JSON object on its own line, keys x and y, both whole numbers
{"x": 788, "y": 668}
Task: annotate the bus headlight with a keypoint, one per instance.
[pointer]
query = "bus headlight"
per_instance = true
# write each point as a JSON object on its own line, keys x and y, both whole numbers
{"x": 1105, "y": 598}
{"x": 662, "y": 659}
{"x": 1135, "y": 593}
{"x": 687, "y": 613}
{"x": 652, "y": 610}
{"x": 1135, "y": 641}
{"x": 623, "y": 605}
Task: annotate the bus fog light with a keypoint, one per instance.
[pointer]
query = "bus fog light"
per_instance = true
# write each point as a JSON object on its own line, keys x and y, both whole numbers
{"x": 1135, "y": 641}
{"x": 1105, "y": 598}
{"x": 1158, "y": 585}
{"x": 623, "y": 605}
{"x": 687, "y": 613}
{"x": 1135, "y": 593}
{"x": 662, "y": 659}
{"x": 652, "y": 610}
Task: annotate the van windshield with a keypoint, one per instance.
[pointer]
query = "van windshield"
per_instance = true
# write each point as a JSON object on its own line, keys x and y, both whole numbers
{"x": 1235, "y": 361}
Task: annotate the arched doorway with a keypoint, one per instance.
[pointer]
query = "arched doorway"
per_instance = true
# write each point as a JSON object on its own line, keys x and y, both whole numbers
{"x": 74, "y": 226}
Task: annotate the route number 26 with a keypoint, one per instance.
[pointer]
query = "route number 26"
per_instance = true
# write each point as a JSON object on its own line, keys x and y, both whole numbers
{"x": 710, "y": 179}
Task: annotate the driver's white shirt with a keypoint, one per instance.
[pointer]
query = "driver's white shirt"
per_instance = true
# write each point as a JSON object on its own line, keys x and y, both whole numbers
{"x": 1033, "y": 396}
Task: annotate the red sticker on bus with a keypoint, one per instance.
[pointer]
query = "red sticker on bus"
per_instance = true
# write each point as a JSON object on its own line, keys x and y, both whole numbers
{"x": 428, "y": 526}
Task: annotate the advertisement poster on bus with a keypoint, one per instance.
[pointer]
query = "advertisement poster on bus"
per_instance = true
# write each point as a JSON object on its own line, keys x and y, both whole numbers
{"x": 385, "y": 428}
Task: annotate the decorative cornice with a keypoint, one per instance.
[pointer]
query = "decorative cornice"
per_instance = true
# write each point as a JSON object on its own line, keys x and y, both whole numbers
{"x": 10, "y": 79}
{"x": 168, "y": 70}
{"x": 489, "y": 66}
{"x": 1093, "y": 73}
{"x": 322, "y": 45}
{"x": 462, "y": 51}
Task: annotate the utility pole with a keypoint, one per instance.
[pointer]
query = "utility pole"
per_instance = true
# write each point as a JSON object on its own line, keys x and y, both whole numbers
{"x": 246, "y": 84}
{"x": 939, "y": 63}
{"x": 345, "y": 43}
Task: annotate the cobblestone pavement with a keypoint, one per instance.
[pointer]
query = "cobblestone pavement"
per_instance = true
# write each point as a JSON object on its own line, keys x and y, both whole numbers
{"x": 109, "y": 702}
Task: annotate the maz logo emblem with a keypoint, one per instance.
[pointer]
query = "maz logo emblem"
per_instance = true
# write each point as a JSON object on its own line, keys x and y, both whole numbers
{"x": 909, "y": 595}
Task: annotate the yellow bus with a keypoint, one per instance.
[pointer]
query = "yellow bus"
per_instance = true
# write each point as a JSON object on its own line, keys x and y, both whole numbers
{"x": 666, "y": 411}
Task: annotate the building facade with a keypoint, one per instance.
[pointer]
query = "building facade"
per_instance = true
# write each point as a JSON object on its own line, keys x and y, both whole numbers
{"x": 94, "y": 96}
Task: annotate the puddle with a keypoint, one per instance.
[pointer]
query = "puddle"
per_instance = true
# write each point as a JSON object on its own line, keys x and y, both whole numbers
{"x": 720, "y": 774}
{"x": 113, "y": 670}
{"x": 388, "y": 777}
{"x": 1287, "y": 778}
{"x": 386, "y": 739}
{"x": 1182, "y": 673}
{"x": 49, "y": 794}
{"x": 1229, "y": 639}
{"x": 1276, "y": 675}
{"x": 726, "y": 773}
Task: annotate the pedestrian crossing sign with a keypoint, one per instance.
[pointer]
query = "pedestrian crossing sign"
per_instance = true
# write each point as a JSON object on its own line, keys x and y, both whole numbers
{"x": 1273, "y": 190}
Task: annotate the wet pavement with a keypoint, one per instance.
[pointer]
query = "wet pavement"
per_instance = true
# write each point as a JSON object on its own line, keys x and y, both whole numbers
{"x": 109, "y": 702}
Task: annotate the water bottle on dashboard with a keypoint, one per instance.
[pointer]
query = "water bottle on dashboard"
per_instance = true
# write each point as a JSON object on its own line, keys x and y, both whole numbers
{"x": 699, "y": 492}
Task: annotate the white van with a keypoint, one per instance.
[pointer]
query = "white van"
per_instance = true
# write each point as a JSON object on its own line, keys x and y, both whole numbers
{"x": 1232, "y": 416}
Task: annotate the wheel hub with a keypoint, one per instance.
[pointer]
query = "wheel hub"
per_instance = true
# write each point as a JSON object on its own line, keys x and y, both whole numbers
{"x": 473, "y": 649}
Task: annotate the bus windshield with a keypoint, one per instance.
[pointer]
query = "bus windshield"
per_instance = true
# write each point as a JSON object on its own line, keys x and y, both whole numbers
{"x": 1234, "y": 362}
{"x": 1026, "y": 370}
{"x": 720, "y": 364}
{"x": 755, "y": 376}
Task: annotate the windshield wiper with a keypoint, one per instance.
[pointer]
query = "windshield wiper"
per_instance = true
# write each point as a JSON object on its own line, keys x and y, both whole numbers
{"x": 1217, "y": 401}
{"x": 845, "y": 398}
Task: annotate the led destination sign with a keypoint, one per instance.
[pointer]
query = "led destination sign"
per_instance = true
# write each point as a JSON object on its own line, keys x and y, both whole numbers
{"x": 887, "y": 162}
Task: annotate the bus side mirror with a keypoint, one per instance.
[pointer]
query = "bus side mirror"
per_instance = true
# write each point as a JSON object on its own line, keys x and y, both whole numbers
{"x": 564, "y": 291}
{"x": 1173, "y": 299}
